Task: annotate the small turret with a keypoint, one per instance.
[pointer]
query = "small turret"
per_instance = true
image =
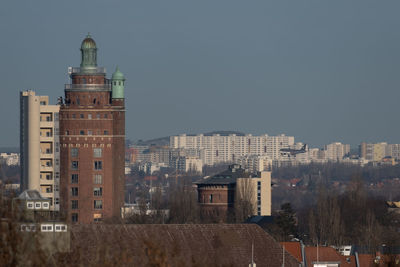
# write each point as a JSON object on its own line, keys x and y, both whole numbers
{"x": 118, "y": 84}
{"x": 89, "y": 53}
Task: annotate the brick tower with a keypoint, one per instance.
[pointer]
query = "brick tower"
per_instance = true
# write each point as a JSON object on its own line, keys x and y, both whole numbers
{"x": 92, "y": 141}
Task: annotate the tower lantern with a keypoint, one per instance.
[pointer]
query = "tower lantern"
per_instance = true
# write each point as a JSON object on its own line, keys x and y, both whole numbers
{"x": 118, "y": 84}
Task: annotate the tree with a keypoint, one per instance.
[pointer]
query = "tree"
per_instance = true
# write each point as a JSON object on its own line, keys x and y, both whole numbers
{"x": 286, "y": 222}
{"x": 244, "y": 199}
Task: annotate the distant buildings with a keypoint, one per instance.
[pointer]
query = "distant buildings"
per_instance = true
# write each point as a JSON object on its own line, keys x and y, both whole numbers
{"x": 379, "y": 151}
{"x": 10, "y": 159}
{"x": 39, "y": 146}
{"x": 218, "y": 148}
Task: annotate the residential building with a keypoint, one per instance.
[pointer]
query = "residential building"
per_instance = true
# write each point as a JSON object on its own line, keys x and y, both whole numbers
{"x": 218, "y": 148}
{"x": 187, "y": 164}
{"x": 336, "y": 151}
{"x": 10, "y": 159}
{"x": 39, "y": 146}
{"x": 374, "y": 152}
{"x": 255, "y": 163}
{"x": 92, "y": 140}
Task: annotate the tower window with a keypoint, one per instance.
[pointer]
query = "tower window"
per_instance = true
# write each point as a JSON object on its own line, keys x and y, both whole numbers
{"x": 74, "y": 178}
{"x": 74, "y": 152}
{"x": 74, "y": 217}
{"x": 74, "y": 191}
{"x": 82, "y": 132}
{"x": 106, "y": 132}
{"x": 98, "y": 179}
{"x": 98, "y": 165}
{"x": 74, "y": 165}
{"x": 81, "y": 116}
{"x": 97, "y": 152}
{"x": 98, "y": 204}
{"x": 89, "y": 116}
{"x": 74, "y": 204}
{"x": 98, "y": 191}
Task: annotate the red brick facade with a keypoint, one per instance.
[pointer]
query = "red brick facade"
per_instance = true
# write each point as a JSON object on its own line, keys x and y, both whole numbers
{"x": 92, "y": 143}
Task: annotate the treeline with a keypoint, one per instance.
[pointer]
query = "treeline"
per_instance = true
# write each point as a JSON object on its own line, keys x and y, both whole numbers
{"x": 350, "y": 218}
{"x": 337, "y": 171}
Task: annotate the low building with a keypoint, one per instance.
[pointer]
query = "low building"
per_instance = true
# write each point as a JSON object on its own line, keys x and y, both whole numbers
{"x": 219, "y": 193}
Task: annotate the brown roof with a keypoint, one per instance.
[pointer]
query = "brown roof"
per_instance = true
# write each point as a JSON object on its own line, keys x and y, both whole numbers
{"x": 328, "y": 254}
{"x": 294, "y": 248}
{"x": 174, "y": 245}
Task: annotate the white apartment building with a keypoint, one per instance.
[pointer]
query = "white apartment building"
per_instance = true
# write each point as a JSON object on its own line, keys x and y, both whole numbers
{"x": 39, "y": 146}
{"x": 228, "y": 148}
{"x": 336, "y": 151}
{"x": 255, "y": 163}
{"x": 10, "y": 159}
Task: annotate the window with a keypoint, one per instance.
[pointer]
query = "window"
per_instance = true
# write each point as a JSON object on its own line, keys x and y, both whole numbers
{"x": 98, "y": 165}
{"x": 105, "y": 116}
{"x": 74, "y": 152}
{"x": 47, "y": 228}
{"x": 90, "y": 132}
{"x": 67, "y": 132}
{"x": 82, "y": 132}
{"x": 98, "y": 204}
{"x": 74, "y": 178}
{"x": 98, "y": 179}
{"x": 105, "y": 132}
{"x": 89, "y": 116}
{"x": 81, "y": 116}
{"x": 97, "y": 116}
{"x": 98, "y": 191}
{"x": 46, "y": 205}
{"x": 29, "y": 205}
{"x": 74, "y": 217}
{"x": 211, "y": 198}
{"x": 97, "y": 152}
{"x": 74, "y": 165}
{"x": 74, "y": 116}
{"x": 56, "y": 201}
{"x": 74, "y": 204}
{"x": 74, "y": 191}
{"x": 38, "y": 205}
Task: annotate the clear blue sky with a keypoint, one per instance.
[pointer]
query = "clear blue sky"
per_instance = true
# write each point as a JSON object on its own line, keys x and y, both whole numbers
{"x": 322, "y": 71}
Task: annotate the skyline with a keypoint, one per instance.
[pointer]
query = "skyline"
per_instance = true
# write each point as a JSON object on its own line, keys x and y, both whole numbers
{"x": 322, "y": 72}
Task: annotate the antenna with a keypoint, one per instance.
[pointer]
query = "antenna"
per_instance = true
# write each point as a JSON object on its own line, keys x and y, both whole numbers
{"x": 252, "y": 264}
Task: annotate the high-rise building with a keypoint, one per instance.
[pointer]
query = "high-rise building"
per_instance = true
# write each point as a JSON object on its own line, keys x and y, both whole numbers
{"x": 92, "y": 139}
{"x": 39, "y": 146}
{"x": 218, "y": 148}
{"x": 336, "y": 151}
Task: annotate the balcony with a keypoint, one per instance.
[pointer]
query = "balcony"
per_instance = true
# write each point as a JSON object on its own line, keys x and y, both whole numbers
{"x": 88, "y": 87}
{"x": 94, "y": 70}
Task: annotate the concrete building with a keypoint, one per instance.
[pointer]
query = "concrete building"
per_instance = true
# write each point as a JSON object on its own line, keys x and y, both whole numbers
{"x": 39, "y": 146}
{"x": 218, "y": 148}
{"x": 255, "y": 163}
{"x": 10, "y": 159}
{"x": 374, "y": 152}
{"x": 187, "y": 164}
{"x": 336, "y": 151}
{"x": 219, "y": 194}
{"x": 92, "y": 139}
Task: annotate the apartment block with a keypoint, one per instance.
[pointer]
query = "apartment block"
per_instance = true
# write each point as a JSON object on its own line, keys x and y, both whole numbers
{"x": 39, "y": 147}
{"x": 218, "y": 148}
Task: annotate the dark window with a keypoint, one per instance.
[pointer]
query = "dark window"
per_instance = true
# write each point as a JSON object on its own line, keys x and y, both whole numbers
{"x": 73, "y": 116}
{"x": 98, "y": 191}
{"x": 82, "y": 132}
{"x": 105, "y": 132}
{"x": 74, "y": 204}
{"x": 74, "y": 217}
{"x": 74, "y": 191}
{"x": 105, "y": 116}
{"x": 98, "y": 165}
{"x": 74, "y": 165}
{"x": 74, "y": 179}
{"x": 81, "y": 116}
{"x": 211, "y": 198}
{"x": 98, "y": 204}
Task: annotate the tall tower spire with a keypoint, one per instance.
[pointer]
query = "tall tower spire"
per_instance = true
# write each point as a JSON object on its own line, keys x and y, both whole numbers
{"x": 89, "y": 53}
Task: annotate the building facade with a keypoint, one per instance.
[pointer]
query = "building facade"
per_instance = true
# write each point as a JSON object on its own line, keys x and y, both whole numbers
{"x": 218, "y": 148}
{"x": 39, "y": 147}
{"x": 92, "y": 141}
{"x": 336, "y": 151}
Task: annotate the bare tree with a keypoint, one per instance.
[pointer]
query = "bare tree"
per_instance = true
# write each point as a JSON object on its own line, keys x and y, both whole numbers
{"x": 244, "y": 199}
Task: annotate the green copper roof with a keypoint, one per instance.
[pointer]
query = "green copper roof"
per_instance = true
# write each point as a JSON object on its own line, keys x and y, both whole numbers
{"x": 118, "y": 75}
{"x": 88, "y": 43}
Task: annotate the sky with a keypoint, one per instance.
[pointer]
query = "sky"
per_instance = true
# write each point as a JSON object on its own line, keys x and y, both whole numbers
{"x": 322, "y": 71}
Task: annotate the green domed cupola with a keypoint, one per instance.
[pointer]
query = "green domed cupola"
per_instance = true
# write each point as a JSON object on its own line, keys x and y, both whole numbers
{"x": 89, "y": 53}
{"x": 118, "y": 84}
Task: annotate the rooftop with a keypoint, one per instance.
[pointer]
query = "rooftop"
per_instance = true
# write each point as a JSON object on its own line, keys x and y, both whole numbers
{"x": 227, "y": 177}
